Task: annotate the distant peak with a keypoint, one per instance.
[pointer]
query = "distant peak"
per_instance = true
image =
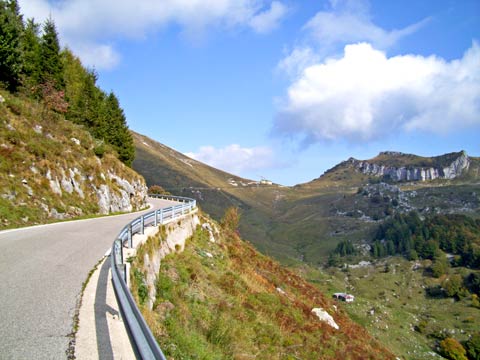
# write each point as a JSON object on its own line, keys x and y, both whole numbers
{"x": 391, "y": 153}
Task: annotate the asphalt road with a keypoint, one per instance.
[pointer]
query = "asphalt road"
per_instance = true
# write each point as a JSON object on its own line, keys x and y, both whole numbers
{"x": 42, "y": 269}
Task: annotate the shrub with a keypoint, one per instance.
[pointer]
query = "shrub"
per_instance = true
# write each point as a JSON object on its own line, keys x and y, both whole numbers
{"x": 452, "y": 349}
{"x": 141, "y": 286}
{"x": 473, "y": 347}
{"x": 157, "y": 189}
{"x": 231, "y": 219}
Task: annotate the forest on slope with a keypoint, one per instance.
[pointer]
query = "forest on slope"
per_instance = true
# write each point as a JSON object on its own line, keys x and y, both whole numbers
{"x": 33, "y": 65}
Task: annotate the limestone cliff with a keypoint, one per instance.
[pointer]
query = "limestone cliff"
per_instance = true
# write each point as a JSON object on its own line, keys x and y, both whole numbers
{"x": 385, "y": 165}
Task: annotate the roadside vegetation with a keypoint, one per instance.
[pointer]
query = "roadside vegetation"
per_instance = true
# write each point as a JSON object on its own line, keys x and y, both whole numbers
{"x": 224, "y": 300}
{"x": 60, "y": 135}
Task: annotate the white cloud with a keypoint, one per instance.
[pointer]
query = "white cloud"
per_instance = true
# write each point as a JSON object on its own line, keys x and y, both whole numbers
{"x": 300, "y": 58}
{"x": 269, "y": 19}
{"x": 236, "y": 159}
{"x": 96, "y": 22}
{"x": 327, "y": 33}
{"x": 365, "y": 95}
{"x": 350, "y": 22}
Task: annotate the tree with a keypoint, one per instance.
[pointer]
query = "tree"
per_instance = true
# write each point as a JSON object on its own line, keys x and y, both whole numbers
{"x": 453, "y": 285}
{"x": 116, "y": 130}
{"x": 472, "y": 346}
{"x": 51, "y": 66}
{"x": 11, "y": 27}
{"x": 30, "y": 47}
{"x": 440, "y": 266}
{"x": 452, "y": 349}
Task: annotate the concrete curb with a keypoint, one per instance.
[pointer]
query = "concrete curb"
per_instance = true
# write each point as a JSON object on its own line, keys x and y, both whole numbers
{"x": 101, "y": 332}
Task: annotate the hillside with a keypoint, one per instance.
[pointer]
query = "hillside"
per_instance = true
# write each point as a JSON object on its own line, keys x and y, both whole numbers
{"x": 221, "y": 299}
{"x": 307, "y": 221}
{"x": 52, "y": 169}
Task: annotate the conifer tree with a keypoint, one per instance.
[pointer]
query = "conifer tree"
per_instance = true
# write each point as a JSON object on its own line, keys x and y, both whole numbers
{"x": 51, "y": 65}
{"x": 11, "y": 27}
{"x": 117, "y": 132}
{"x": 30, "y": 47}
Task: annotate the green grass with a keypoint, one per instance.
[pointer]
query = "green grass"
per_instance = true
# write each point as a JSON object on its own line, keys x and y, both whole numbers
{"x": 400, "y": 305}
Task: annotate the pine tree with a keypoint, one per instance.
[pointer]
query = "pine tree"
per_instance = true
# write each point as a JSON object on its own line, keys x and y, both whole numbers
{"x": 117, "y": 133}
{"x": 11, "y": 27}
{"x": 51, "y": 65}
{"x": 30, "y": 47}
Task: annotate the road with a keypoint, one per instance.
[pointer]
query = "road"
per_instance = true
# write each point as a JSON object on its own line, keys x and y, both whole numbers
{"x": 42, "y": 269}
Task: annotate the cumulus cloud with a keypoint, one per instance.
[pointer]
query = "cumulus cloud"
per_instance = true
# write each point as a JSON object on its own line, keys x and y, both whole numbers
{"x": 365, "y": 95}
{"x": 236, "y": 159}
{"x": 84, "y": 24}
{"x": 345, "y": 22}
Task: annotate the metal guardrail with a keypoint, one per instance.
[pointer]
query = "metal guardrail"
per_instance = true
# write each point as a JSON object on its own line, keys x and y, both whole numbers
{"x": 143, "y": 339}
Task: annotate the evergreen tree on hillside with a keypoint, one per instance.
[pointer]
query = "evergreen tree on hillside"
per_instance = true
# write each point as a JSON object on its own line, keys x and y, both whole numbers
{"x": 51, "y": 65}
{"x": 117, "y": 132}
{"x": 30, "y": 47}
{"x": 59, "y": 79}
{"x": 11, "y": 27}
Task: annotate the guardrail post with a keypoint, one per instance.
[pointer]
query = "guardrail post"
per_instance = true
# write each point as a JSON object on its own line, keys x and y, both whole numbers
{"x": 156, "y": 218}
{"x": 161, "y": 216}
{"x": 142, "y": 225}
{"x": 130, "y": 241}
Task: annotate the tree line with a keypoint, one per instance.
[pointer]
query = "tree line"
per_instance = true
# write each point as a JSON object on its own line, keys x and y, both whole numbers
{"x": 32, "y": 63}
{"x": 409, "y": 235}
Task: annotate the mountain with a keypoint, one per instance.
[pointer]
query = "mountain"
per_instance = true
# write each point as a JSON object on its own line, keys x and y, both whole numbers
{"x": 51, "y": 169}
{"x": 307, "y": 221}
{"x": 396, "y": 167}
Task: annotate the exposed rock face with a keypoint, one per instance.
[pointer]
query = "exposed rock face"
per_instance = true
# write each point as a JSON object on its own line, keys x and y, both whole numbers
{"x": 113, "y": 192}
{"x": 412, "y": 173}
{"x": 126, "y": 197}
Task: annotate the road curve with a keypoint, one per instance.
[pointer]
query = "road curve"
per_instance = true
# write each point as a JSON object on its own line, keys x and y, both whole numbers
{"x": 42, "y": 269}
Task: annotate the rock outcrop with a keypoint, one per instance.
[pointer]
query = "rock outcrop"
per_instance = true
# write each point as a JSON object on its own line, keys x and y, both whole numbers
{"x": 411, "y": 172}
{"x": 113, "y": 192}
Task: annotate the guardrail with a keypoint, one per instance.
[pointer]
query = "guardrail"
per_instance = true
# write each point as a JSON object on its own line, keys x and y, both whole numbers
{"x": 141, "y": 335}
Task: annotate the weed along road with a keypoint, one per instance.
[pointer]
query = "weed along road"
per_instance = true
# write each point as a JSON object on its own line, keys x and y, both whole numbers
{"x": 41, "y": 274}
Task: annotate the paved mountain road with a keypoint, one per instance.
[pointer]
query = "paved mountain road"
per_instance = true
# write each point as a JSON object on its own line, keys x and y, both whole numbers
{"x": 42, "y": 269}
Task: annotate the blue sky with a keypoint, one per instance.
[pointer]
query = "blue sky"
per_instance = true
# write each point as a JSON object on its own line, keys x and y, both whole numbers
{"x": 284, "y": 89}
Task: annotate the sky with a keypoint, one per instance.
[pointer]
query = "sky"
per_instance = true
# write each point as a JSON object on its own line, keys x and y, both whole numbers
{"x": 284, "y": 89}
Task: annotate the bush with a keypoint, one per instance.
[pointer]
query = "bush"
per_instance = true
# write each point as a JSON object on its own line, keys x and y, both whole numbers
{"x": 231, "y": 219}
{"x": 452, "y": 349}
{"x": 157, "y": 189}
{"x": 142, "y": 287}
{"x": 99, "y": 149}
{"x": 473, "y": 347}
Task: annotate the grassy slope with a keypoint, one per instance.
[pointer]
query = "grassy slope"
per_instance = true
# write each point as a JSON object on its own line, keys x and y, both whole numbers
{"x": 400, "y": 305}
{"x": 220, "y": 301}
{"x": 34, "y": 142}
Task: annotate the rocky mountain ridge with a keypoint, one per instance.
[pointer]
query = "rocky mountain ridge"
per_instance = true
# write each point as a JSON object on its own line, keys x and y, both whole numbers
{"x": 411, "y": 172}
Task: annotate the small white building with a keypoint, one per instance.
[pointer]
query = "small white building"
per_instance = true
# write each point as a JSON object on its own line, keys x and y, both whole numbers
{"x": 266, "y": 182}
{"x": 344, "y": 297}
